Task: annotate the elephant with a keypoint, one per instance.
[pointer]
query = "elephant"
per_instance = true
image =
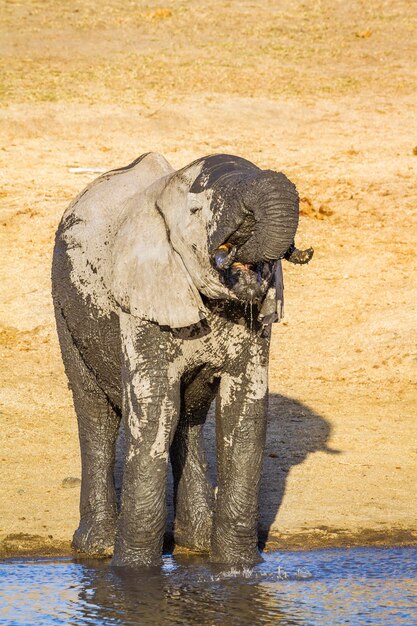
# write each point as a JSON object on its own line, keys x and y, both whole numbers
{"x": 165, "y": 284}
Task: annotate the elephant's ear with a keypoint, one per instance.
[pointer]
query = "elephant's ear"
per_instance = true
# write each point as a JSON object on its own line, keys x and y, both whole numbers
{"x": 149, "y": 279}
{"x": 272, "y": 309}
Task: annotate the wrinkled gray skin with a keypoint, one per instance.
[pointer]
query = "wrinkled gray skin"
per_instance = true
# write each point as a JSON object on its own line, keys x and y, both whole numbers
{"x": 154, "y": 321}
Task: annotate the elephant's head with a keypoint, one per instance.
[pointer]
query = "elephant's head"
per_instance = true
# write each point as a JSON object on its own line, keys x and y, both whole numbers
{"x": 227, "y": 225}
{"x": 253, "y": 224}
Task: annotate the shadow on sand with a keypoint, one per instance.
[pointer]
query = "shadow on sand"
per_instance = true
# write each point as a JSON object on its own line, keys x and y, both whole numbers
{"x": 294, "y": 431}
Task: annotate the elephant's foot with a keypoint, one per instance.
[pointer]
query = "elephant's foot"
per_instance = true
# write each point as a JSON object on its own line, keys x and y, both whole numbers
{"x": 248, "y": 558}
{"x": 143, "y": 554}
{"x": 95, "y": 537}
{"x": 194, "y": 534}
{"x": 233, "y": 551}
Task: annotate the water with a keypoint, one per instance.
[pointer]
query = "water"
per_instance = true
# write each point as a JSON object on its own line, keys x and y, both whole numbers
{"x": 354, "y": 586}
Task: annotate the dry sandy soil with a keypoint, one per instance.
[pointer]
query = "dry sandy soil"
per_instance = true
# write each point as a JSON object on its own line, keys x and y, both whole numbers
{"x": 324, "y": 91}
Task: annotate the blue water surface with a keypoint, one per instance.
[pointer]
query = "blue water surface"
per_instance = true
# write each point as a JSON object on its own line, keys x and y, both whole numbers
{"x": 346, "y": 586}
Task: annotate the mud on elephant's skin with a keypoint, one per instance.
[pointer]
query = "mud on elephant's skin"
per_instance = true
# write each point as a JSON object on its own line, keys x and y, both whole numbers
{"x": 165, "y": 285}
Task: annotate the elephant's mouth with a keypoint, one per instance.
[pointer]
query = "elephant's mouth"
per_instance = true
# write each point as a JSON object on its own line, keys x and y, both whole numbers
{"x": 250, "y": 281}
{"x": 247, "y": 281}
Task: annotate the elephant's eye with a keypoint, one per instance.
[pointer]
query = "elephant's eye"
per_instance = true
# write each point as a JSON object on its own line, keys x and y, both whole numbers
{"x": 195, "y": 209}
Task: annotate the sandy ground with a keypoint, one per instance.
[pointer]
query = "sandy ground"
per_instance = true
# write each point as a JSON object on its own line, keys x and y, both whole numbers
{"x": 324, "y": 91}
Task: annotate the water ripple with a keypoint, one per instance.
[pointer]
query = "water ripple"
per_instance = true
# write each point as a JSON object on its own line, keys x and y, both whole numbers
{"x": 355, "y": 586}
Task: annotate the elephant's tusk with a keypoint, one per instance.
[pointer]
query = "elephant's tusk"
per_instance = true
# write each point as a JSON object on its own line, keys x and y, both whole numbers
{"x": 224, "y": 255}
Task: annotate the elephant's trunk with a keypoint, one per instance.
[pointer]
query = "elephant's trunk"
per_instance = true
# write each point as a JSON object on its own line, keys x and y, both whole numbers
{"x": 273, "y": 200}
{"x": 299, "y": 257}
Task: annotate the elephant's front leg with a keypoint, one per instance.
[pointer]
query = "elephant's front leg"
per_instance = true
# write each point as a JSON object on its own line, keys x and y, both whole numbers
{"x": 241, "y": 427}
{"x": 150, "y": 412}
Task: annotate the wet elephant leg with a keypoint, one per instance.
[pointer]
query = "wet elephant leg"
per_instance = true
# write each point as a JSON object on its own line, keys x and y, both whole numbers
{"x": 97, "y": 425}
{"x": 149, "y": 425}
{"x": 193, "y": 492}
{"x": 240, "y": 433}
{"x": 151, "y": 400}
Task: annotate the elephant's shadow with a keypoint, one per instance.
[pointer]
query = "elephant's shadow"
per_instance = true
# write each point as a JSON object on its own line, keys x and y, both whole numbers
{"x": 294, "y": 431}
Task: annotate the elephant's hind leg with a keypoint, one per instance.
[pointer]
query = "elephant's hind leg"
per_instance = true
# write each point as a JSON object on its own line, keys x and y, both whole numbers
{"x": 193, "y": 492}
{"x": 97, "y": 426}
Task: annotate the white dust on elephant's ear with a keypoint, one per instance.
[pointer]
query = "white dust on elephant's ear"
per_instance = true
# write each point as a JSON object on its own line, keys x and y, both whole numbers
{"x": 90, "y": 223}
{"x": 189, "y": 218}
{"x": 149, "y": 278}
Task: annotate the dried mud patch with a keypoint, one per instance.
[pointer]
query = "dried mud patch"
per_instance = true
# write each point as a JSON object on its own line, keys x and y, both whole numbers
{"x": 327, "y": 537}
{"x": 24, "y": 544}
{"x": 27, "y": 545}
